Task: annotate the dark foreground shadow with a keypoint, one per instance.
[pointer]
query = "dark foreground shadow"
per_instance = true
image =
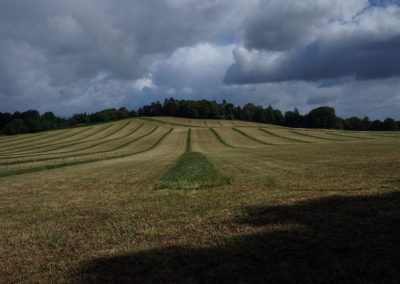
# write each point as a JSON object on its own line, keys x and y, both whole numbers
{"x": 337, "y": 240}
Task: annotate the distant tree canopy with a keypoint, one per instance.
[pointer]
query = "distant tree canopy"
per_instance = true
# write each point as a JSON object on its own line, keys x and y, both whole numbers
{"x": 322, "y": 117}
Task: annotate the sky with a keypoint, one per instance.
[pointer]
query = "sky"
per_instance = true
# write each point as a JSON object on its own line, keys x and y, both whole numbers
{"x": 86, "y": 55}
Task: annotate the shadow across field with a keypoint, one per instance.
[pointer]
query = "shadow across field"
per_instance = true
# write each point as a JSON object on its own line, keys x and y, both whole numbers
{"x": 334, "y": 240}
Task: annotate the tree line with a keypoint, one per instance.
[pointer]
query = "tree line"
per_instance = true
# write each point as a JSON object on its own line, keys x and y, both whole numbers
{"x": 322, "y": 117}
{"x": 31, "y": 121}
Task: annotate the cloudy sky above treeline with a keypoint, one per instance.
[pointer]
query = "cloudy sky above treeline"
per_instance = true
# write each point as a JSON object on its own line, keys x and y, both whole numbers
{"x": 85, "y": 55}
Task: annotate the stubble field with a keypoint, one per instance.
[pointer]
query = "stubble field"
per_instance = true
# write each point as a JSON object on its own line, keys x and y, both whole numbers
{"x": 181, "y": 200}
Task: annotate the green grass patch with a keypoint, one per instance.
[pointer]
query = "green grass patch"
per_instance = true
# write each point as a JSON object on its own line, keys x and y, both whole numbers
{"x": 192, "y": 171}
{"x": 189, "y": 141}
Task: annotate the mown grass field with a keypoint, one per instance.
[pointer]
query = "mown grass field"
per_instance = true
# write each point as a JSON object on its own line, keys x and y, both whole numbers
{"x": 157, "y": 200}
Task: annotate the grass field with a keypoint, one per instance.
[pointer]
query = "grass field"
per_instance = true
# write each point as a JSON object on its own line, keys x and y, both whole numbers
{"x": 155, "y": 200}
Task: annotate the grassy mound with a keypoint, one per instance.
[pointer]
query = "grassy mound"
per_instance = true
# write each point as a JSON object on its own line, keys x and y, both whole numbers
{"x": 191, "y": 171}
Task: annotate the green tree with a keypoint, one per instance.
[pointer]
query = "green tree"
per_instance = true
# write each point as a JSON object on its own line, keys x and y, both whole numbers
{"x": 15, "y": 127}
{"x": 322, "y": 117}
{"x": 293, "y": 118}
{"x": 389, "y": 124}
{"x": 123, "y": 113}
{"x": 278, "y": 117}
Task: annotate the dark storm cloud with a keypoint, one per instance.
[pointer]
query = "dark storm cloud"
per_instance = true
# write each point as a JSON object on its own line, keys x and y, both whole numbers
{"x": 54, "y": 50}
{"x": 81, "y": 38}
{"x": 315, "y": 43}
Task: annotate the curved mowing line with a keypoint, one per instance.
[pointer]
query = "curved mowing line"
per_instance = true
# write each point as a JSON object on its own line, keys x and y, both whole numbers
{"x": 348, "y": 136}
{"x": 27, "y": 138}
{"x": 219, "y": 138}
{"x": 251, "y": 137}
{"x": 30, "y": 140}
{"x": 77, "y": 142}
{"x": 84, "y": 154}
{"x": 18, "y": 151}
{"x": 283, "y": 137}
{"x": 33, "y": 147}
{"x": 12, "y": 138}
{"x": 74, "y": 142}
{"x": 26, "y": 145}
{"x": 314, "y": 136}
{"x": 65, "y": 152}
{"x": 170, "y": 123}
{"x": 50, "y": 167}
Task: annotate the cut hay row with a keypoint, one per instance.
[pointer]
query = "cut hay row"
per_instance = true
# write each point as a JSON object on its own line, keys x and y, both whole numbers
{"x": 164, "y": 121}
{"x": 80, "y": 162}
{"x": 93, "y": 151}
{"x": 220, "y": 139}
{"x": 59, "y": 135}
{"x": 23, "y": 136}
{"x": 236, "y": 124}
{"x": 33, "y": 157}
{"x": 315, "y": 136}
{"x": 30, "y": 137}
{"x": 117, "y": 136}
{"x": 205, "y": 140}
{"x": 262, "y": 136}
{"x": 251, "y": 137}
{"x": 171, "y": 147}
{"x": 34, "y": 138}
{"x": 348, "y": 136}
{"x": 236, "y": 139}
{"x": 75, "y": 136}
{"x": 284, "y": 138}
{"x": 69, "y": 146}
{"x": 102, "y": 133}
